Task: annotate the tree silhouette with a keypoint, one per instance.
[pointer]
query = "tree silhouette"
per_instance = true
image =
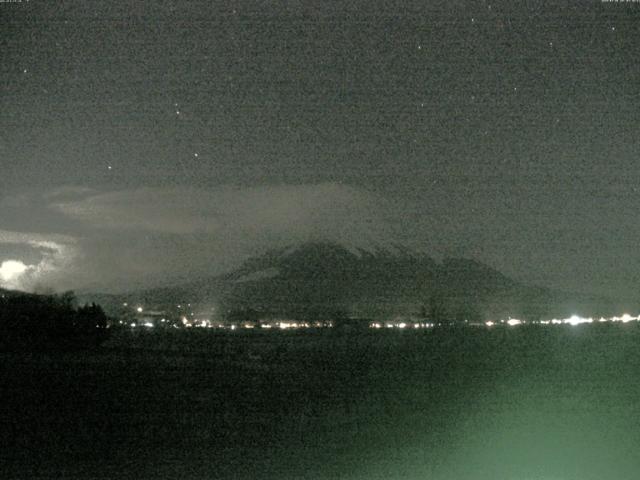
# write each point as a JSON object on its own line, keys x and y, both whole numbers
{"x": 29, "y": 321}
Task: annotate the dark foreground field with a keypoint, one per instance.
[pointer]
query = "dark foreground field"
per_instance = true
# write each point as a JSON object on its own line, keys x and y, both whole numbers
{"x": 520, "y": 403}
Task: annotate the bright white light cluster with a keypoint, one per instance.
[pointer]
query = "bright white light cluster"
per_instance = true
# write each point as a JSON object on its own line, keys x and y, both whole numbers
{"x": 401, "y": 324}
{"x": 576, "y": 320}
{"x": 625, "y": 318}
{"x": 572, "y": 320}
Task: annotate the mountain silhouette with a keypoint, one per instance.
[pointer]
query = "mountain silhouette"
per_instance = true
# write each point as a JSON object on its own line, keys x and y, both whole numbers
{"x": 317, "y": 279}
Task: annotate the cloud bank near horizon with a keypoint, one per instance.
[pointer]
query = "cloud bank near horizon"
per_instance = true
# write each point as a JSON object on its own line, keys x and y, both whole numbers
{"x": 139, "y": 237}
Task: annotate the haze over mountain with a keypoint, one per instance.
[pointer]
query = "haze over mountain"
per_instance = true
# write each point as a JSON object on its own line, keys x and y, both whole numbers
{"x": 317, "y": 279}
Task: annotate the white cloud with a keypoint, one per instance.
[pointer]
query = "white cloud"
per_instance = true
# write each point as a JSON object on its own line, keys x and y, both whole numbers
{"x": 10, "y": 273}
{"x": 68, "y": 191}
{"x": 294, "y": 210}
{"x": 57, "y": 254}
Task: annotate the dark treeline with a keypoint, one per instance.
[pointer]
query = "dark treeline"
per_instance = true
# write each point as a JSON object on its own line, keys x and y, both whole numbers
{"x": 34, "y": 322}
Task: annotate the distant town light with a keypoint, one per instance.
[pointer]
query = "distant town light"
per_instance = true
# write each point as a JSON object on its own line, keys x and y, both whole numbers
{"x": 576, "y": 320}
{"x": 188, "y": 319}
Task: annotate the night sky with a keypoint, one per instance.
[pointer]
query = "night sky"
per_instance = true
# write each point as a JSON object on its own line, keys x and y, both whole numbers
{"x": 143, "y": 143}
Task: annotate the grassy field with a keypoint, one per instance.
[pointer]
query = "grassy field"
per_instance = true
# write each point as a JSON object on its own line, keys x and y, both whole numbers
{"x": 518, "y": 403}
